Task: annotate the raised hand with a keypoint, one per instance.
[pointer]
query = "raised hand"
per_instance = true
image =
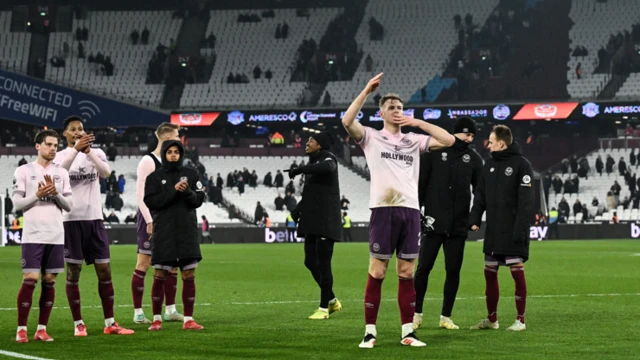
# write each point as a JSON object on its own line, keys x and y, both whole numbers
{"x": 402, "y": 120}
{"x": 373, "y": 83}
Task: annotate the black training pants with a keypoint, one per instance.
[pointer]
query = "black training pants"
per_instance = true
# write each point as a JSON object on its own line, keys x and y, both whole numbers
{"x": 453, "y": 255}
{"x": 317, "y": 258}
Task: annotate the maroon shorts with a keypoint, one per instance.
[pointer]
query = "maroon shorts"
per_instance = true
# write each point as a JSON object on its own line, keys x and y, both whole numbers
{"x": 86, "y": 240}
{"x": 394, "y": 230}
{"x": 42, "y": 258}
{"x": 144, "y": 240}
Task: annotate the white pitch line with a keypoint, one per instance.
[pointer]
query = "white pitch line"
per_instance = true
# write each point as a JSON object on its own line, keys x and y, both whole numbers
{"x": 560, "y": 296}
{"x": 21, "y": 356}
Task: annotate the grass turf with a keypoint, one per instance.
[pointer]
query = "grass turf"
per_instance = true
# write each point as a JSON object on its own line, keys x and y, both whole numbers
{"x": 254, "y": 301}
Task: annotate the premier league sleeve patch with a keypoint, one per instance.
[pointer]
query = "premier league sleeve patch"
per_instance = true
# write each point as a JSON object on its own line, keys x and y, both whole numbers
{"x": 199, "y": 185}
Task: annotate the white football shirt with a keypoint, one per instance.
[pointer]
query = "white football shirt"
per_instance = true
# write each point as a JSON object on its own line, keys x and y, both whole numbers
{"x": 394, "y": 166}
{"x": 85, "y": 182}
{"x": 43, "y": 220}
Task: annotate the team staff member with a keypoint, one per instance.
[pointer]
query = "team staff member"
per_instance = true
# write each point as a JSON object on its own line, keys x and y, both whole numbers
{"x": 505, "y": 192}
{"x": 346, "y": 227}
{"x": 173, "y": 193}
{"x": 318, "y": 217}
{"x": 446, "y": 176}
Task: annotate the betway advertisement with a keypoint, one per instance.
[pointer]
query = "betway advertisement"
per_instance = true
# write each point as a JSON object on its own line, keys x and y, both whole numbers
{"x": 38, "y": 102}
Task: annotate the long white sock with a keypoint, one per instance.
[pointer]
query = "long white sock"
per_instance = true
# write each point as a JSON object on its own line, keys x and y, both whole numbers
{"x": 170, "y": 309}
{"x": 108, "y": 322}
{"x": 21, "y": 328}
{"x": 187, "y": 318}
{"x": 137, "y": 312}
{"x": 407, "y": 329}
{"x": 323, "y": 309}
{"x": 332, "y": 301}
{"x": 79, "y": 322}
{"x": 370, "y": 329}
{"x": 41, "y": 327}
{"x": 157, "y": 317}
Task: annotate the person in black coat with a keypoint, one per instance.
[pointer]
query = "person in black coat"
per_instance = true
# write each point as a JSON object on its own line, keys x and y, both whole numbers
{"x": 278, "y": 202}
{"x": 599, "y": 165}
{"x": 268, "y": 180}
{"x": 444, "y": 193}
{"x": 219, "y": 182}
{"x": 173, "y": 193}
{"x": 609, "y": 164}
{"x": 318, "y": 217}
{"x": 279, "y": 180}
{"x": 506, "y": 193}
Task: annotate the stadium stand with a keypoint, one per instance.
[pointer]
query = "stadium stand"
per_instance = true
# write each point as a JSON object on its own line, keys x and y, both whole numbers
{"x": 594, "y": 22}
{"x": 109, "y": 33}
{"x": 415, "y": 46}
{"x": 630, "y": 88}
{"x": 14, "y": 49}
{"x": 259, "y": 47}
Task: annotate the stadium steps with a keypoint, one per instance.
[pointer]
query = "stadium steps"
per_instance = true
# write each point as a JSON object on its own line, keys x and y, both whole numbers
{"x": 19, "y": 19}
{"x": 313, "y": 94}
{"x": 615, "y": 83}
{"x": 39, "y": 49}
{"x": 351, "y": 166}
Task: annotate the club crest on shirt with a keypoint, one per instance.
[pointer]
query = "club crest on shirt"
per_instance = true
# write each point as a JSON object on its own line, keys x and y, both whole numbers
{"x": 164, "y": 182}
{"x": 444, "y": 156}
{"x": 466, "y": 158}
{"x": 491, "y": 170}
{"x": 32, "y": 177}
{"x": 57, "y": 178}
{"x": 508, "y": 171}
{"x": 199, "y": 185}
{"x": 406, "y": 141}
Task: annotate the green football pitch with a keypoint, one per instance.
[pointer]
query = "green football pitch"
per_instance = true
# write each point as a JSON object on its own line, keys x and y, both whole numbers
{"x": 254, "y": 300}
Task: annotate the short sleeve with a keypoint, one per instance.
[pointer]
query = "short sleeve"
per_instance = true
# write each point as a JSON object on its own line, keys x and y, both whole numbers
{"x": 19, "y": 182}
{"x": 368, "y": 133}
{"x": 423, "y": 140}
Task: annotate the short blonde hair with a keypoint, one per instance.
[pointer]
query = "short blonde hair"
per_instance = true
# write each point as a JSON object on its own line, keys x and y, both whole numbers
{"x": 165, "y": 128}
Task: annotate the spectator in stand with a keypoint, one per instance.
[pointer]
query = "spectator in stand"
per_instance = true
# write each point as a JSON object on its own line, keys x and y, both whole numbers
{"x": 290, "y": 187}
{"x": 121, "y": 182}
{"x": 112, "y": 152}
{"x": 622, "y": 167}
{"x": 284, "y": 30}
{"x": 327, "y": 99}
{"x": 579, "y": 71}
{"x": 290, "y": 201}
{"x": 278, "y": 202}
{"x": 297, "y": 141}
{"x": 632, "y": 183}
{"x": 344, "y": 203}
{"x": 144, "y": 38}
{"x": 577, "y": 207}
{"x": 615, "y": 188}
{"x": 564, "y": 166}
{"x": 599, "y": 165}
{"x": 113, "y": 218}
{"x": 369, "y": 63}
{"x": 278, "y": 32}
{"x": 268, "y": 180}
{"x": 611, "y": 200}
{"x": 258, "y": 213}
{"x": 595, "y": 202}
{"x": 22, "y": 161}
{"x": 294, "y": 165}
{"x": 205, "y": 230}
{"x": 626, "y": 202}
{"x": 257, "y": 72}
{"x": 576, "y": 183}
{"x": 112, "y": 182}
{"x": 131, "y": 218}
{"x": 628, "y": 131}
{"x": 103, "y": 185}
{"x": 253, "y": 179}
{"x": 85, "y": 33}
{"x": 279, "y": 180}
{"x": 609, "y": 164}
{"x": 230, "y": 180}
{"x": 632, "y": 157}
{"x": 573, "y": 163}
{"x": 240, "y": 185}
{"x": 563, "y": 207}
{"x": 614, "y": 219}
{"x": 78, "y": 34}
{"x": 80, "y": 51}
{"x": 568, "y": 186}
{"x": 219, "y": 181}
{"x": 135, "y": 36}
{"x": 117, "y": 202}
{"x": 584, "y": 168}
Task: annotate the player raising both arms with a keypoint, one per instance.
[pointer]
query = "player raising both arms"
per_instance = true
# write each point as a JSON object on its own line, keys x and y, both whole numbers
{"x": 394, "y": 163}
{"x": 41, "y": 189}
{"x": 85, "y": 237}
{"x": 150, "y": 163}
